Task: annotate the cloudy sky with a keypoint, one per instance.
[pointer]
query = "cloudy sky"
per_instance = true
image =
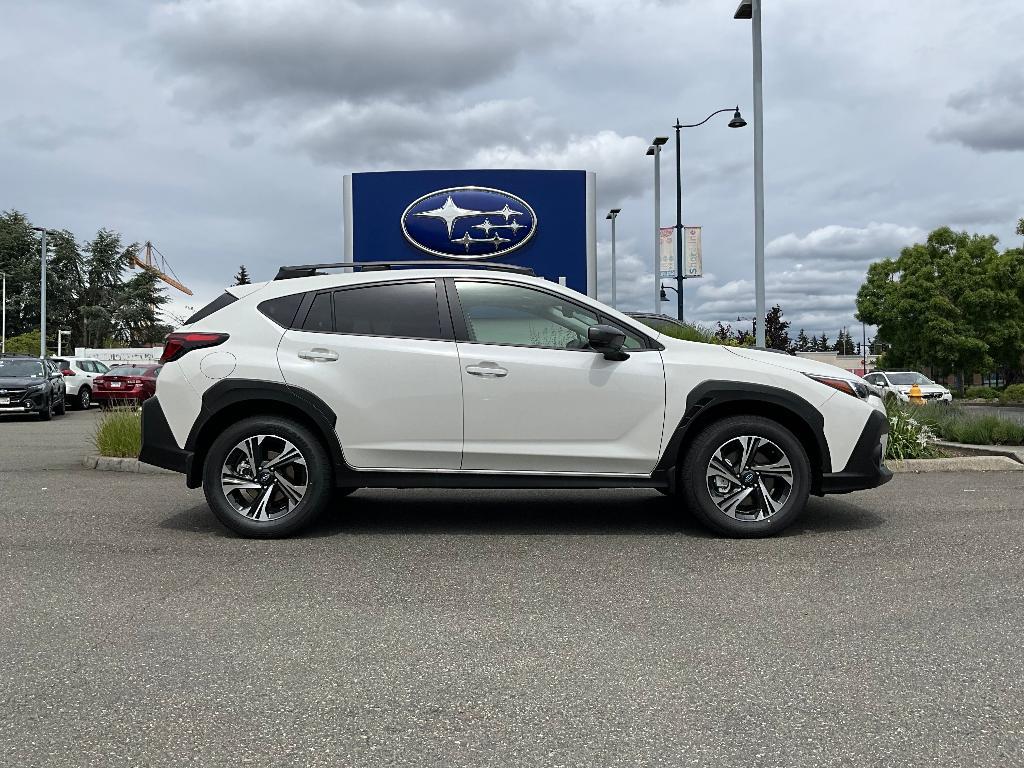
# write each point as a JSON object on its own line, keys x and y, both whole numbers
{"x": 221, "y": 129}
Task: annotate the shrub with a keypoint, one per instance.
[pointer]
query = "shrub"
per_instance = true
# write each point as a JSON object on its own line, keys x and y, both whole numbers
{"x": 119, "y": 432}
{"x": 909, "y": 438}
{"x": 691, "y": 332}
{"x": 962, "y": 425}
{"x": 981, "y": 393}
{"x": 1013, "y": 394}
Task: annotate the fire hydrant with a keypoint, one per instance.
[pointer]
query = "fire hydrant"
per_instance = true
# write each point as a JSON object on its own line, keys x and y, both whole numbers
{"x": 914, "y": 395}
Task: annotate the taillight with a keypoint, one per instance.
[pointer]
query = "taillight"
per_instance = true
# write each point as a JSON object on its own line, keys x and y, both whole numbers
{"x": 67, "y": 372}
{"x": 134, "y": 382}
{"x": 179, "y": 344}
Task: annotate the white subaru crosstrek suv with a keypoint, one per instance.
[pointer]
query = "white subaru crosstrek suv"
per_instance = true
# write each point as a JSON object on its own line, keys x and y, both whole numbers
{"x": 277, "y": 396}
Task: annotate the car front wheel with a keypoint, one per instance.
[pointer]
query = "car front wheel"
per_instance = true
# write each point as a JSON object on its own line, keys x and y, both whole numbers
{"x": 267, "y": 477}
{"x": 746, "y": 476}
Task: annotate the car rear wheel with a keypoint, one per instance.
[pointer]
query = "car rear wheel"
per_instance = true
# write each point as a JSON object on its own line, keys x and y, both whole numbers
{"x": 267, "y": 477}
{"x": 746, "y": 476}
{"x": 84, "y": 399}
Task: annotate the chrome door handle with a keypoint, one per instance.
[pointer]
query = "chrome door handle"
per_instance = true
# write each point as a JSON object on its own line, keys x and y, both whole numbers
{"x": 488, "y": 372}
{"x": 319, "y": 355}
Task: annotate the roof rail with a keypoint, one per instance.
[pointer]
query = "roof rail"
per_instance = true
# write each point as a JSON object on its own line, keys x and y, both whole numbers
{"x": 309, "y": 270}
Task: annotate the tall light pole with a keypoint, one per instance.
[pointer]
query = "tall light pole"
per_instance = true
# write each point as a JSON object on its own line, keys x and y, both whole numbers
{"x": 42, "y": 291}
{"x": 613, "y": 214}
{"x": 655, "y": 149}
{"x": 736, "y": 122}
{"x": 751, "y": 9}
{"x": 3, "y": 333}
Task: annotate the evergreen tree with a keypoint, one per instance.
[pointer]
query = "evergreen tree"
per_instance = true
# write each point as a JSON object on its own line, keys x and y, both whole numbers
{"x": 242, "y": 276}
{"x": 823, "y": 343}
{"x": 803, "y": 344}
{"x": 776, "y": 330}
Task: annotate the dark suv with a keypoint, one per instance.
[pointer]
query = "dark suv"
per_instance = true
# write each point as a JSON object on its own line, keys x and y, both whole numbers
{"x": 29, "y": 384}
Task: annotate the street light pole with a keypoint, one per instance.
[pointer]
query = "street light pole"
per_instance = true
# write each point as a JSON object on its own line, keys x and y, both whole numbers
{"x": 736, "y": 122}
{"x": 655, "y": 149}
{"x": 613, "y": 214}
{"x": 42, "y": 291}
{"x": 3, "y": 333}
{"x": 751, "y": 9}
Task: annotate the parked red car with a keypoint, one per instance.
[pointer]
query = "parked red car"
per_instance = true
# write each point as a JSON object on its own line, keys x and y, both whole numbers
{"x": 125, "y": 384}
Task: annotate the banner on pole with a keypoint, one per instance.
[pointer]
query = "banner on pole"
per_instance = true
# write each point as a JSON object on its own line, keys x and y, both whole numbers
{"x": 693, "y": 258}
{"x": 667, "y": 252}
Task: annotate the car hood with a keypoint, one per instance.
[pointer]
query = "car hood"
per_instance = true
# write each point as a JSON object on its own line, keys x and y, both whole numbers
{"x": 792, "y": 362}
{"x": 13, "y": 383}
{"x": 924, "y": 387}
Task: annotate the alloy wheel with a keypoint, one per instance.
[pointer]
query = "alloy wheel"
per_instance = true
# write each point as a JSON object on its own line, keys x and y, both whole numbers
{"x": 749, "y": 478}
{"x": 264, "y": 477}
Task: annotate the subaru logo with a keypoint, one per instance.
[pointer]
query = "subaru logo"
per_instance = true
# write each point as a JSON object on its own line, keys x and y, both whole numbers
{"x": 469, "y": 223}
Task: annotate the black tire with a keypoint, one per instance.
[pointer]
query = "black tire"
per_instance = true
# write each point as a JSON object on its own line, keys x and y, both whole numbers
{"x": 62, "y": 408}
{"x": 47, "y": 412}
{"x": 318, "y": 476}
{"x": 83, "y": 399}
{"x": 726, "y": 435}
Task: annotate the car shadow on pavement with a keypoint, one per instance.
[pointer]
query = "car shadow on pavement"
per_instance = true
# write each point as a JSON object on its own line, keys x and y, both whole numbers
{"x": 386, "y": 512}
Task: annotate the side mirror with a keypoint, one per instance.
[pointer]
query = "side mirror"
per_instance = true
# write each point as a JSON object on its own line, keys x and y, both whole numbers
{"x": 608, "y": 340}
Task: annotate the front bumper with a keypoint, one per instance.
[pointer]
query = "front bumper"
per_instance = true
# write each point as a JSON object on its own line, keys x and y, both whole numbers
{"x": 23, "y": 402}
{"x": 866, "y": 467}
{"x": 158, "y": 445}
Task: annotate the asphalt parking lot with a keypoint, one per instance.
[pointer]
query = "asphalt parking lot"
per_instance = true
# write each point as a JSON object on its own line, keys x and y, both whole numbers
{"x": 492, "y": 628}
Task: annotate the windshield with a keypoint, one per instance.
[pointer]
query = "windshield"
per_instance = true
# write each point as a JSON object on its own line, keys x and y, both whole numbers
{"x": 905, "y": 379}
{"x": 21, "y": 369}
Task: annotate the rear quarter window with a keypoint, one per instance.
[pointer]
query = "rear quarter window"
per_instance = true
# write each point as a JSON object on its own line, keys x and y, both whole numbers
{"x": 282, "y": 309}
{"x": 214, "y": 306}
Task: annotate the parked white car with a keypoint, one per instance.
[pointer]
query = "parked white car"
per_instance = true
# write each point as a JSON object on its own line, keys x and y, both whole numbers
{"x": 277, "y": 394}
{"x": 78, "y": 375}
{"x": 898, "y": 383}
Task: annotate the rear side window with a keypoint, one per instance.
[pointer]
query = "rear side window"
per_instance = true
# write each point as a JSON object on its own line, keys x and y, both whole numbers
{"x": 282, "y": 309}
{"x": 400, "y": 309}
{"x": 319, "y": 317}
{"x": 214, "y": 306}
{"x": 99, "y": 367}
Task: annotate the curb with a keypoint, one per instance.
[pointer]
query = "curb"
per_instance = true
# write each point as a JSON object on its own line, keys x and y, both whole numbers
{"x": 1014, "y": 452}
{"x": 113, "y": 464}
{"x": 960, "y": 464}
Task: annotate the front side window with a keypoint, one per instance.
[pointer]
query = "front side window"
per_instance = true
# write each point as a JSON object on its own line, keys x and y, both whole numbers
{"x": 496, "y": 313}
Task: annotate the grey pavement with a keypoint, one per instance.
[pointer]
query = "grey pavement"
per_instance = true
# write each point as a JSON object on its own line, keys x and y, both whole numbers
{"x": 471, "y": 628}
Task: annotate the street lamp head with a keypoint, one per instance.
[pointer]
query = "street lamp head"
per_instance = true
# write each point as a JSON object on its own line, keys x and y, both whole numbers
{"x": 737, "y": 120}
{"x": 613, "y": 213}
{"x": 745, "y": 10}
{"x": 664, "y": 296}
{"x": 652, "y": 150}
{"x": 660, "y": 140}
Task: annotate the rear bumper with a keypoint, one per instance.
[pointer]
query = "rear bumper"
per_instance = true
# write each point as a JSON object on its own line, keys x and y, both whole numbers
{"x": 866, "y": 467}
{"x": 158, "y": 445}
{"x": 129, "y": 395}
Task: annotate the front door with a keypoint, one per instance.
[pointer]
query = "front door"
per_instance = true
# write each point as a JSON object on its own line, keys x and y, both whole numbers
{"x": 538, "y": 399}
{"x": 377, "y": 356}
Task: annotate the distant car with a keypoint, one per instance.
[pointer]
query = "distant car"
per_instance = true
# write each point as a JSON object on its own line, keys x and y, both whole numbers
{"x": 78, "y": 378}
{"x": 31, "y": 385}
{"x": 897, "y": 384}
{"x": 126, "y": 384}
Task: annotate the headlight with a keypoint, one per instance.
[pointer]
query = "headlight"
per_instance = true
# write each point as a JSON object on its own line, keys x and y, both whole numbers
{"x": 849, "y": 386}
{"x": 33, "y": 389}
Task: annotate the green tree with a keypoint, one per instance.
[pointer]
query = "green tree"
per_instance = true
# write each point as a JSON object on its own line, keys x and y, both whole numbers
{"x": 242, "y": 276}
{"x": 24, "y": 343}
{"x": 953, "y": 304}
{"x": 823, "y": 345}
{"x": 776, "y": 330}
{"x": 803, "y": 344}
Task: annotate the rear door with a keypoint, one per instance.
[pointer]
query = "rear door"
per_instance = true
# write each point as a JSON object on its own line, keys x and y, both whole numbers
{"x": 383, "y": 357}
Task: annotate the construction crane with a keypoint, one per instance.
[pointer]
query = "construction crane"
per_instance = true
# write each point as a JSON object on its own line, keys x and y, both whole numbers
{"x": 147, "y": 263}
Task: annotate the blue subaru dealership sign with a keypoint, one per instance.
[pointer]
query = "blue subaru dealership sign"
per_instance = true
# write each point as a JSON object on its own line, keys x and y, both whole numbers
{"x": 545, "y": 220}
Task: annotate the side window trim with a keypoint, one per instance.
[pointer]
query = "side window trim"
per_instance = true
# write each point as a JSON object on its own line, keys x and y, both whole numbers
{"x": 462, "y": 328}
